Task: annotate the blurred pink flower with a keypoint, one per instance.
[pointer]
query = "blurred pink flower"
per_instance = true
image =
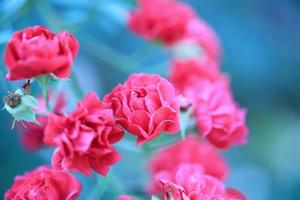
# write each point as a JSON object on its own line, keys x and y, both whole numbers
{"x": 192, "y": 151}
{"x": 146, "y": 106}
{"x": 84, "y": 137}
{"x": 44, "y": 183}
{"x": 162, "y": 20}
{"x": 189, "y": 183}
{"x": 189, "y": 76}
{"x": 219, "y": 118}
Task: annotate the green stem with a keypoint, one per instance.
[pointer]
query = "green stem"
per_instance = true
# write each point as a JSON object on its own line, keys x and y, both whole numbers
{"x": 46, "y": 97}
{"x": 79, "y": 93}
{"x": 142, "y": 53}
{"x": 43, "y": 81}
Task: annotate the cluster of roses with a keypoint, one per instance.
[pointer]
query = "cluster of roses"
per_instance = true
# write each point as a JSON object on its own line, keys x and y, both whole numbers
{"x": 144, "y": 105}
{"x": 193, "y": 169}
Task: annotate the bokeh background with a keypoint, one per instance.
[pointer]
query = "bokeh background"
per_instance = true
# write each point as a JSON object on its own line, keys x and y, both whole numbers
{"x": 261, "y": 43}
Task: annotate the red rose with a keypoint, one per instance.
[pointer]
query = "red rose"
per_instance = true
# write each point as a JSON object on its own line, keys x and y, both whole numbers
{"x": 44, "y": 183}
{"x": 219, "y": 118}
{"x": 146, "y": 106}
{"x": 189, "y": 183}
{"x": 32, "y": 134}
{"x": 36, "y": 51}
{"x": 192, "y": 151}
{"x": 84, "y": 137}
{"x": 189, "y": 76}
{"x": 162, "y": 20}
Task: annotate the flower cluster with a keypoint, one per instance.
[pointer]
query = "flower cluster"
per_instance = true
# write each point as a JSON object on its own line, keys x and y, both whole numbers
{"x": 195, "y": 71}
{"x": 145, "y": 106}
{"x": 193, "y": 169}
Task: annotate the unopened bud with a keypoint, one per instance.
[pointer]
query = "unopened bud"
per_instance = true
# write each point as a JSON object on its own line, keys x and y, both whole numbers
{"x": 12, "y": 99}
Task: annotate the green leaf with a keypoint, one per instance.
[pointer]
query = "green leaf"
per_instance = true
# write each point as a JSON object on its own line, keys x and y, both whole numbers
{"x": 27, "y": 115}
{"x": 30, "y": 101}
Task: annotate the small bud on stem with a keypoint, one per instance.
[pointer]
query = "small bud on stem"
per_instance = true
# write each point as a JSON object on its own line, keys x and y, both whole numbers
{"x": 12, "y": 99}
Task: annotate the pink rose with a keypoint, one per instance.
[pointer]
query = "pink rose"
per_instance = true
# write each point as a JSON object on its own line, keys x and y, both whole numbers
{"x": 84, "y": 137}
{"x": 36, "y": 51}
{"x": 188, "y": 76}
{"x": 189, "y": 183}
{"x": 162, "y": 20}
{"x": 219, "y": 118}
{"x": 44, "y": 183}
{"x": 146, "y": 106}
{"x": 192, "y": 151}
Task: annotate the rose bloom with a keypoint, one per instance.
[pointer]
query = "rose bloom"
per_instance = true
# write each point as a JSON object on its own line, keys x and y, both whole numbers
{"x": 219, "y": 118}
{"x": 190, "y": 76}
{"x": 190, "y": 150}
{"x": 44, "y": 183}
{"x": 84, "y": 137}
{"x": 190, "y": 183}
{"x": 162, "y": 20}
{"x": 146, "y": 106}
{"x": 32, "y": 134}
{"x": 36, "y": 51}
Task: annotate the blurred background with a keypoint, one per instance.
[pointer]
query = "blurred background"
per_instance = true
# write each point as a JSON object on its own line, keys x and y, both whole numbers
{"x": 261, "y": 43}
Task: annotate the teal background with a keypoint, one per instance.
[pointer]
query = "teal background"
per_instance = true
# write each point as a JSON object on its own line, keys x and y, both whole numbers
{"x": 261, "y": 46}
